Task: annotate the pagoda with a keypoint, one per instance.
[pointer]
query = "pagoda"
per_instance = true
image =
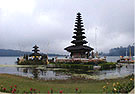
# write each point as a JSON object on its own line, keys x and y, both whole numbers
{"x": 79, "y": 49}
{"x": 35, "y": 53}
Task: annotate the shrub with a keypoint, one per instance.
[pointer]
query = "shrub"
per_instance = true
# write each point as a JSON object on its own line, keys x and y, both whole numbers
{"x": 77, "y": 66}
{"x": 117, "y": 87}
{"x": 32, "y": 62}
{"x": 124, "y": 87}
{"x": 107, "y": 65}
{"x": 89, "y": 62}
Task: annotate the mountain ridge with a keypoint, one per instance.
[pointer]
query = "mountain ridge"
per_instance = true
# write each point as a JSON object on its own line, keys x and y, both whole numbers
{"x": 12, "y": 52}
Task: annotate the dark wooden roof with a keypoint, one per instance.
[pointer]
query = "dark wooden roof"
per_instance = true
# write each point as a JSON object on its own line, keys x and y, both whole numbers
{"x": 35, "y": 50}
{"x": 79, "y": 29}
{"x": 78, "y": 38}
{"x": 79, "y": 42}
{"x": 35, "y": 46}
{"x": 35, "y": 54}
{"x": 74, "y": 48}
{"x": 79, "y": 33}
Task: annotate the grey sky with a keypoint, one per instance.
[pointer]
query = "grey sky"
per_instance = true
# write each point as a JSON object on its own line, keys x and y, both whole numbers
{"x": 50, "y": 23}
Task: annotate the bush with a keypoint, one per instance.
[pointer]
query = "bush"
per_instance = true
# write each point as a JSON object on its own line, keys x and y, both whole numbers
{"x": 124, "y": 87}
{"x": 108, "y": 65}
{"x": 70, "y": 62}
{"x": 92, "y": 62}
{"x": 32, "y": 62}
{"x": 76, "y": 66}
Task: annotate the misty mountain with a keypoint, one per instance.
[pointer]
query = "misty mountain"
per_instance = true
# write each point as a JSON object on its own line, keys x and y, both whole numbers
{"x": 10, "y": 52}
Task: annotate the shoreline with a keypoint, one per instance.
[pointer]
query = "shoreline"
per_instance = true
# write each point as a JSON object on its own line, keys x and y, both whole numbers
{"x": 72, "y": 78}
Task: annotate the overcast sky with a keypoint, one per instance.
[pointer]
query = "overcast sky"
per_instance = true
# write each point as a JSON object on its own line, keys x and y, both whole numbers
{"x": 50, "y": 23}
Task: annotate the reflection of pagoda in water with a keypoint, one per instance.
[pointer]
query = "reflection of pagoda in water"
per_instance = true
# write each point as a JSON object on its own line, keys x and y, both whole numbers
{"x": 79, "y": 50}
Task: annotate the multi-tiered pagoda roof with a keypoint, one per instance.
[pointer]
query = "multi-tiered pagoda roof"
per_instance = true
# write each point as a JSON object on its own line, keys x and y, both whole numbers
{"x": 35, "y": 51}
{"x": 79, "y": 42}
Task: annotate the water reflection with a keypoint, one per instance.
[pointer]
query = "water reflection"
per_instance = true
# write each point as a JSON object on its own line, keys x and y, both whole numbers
{"x": 118, "y": 72}
{"x": 42, "y": 74}
{"x": 51, "y": 74}
{"x": 63, "y": 73}
{"x": 35, "y": 73}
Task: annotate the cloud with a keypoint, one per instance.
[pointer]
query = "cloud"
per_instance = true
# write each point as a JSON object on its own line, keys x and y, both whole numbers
{"x": 50, "y": 23}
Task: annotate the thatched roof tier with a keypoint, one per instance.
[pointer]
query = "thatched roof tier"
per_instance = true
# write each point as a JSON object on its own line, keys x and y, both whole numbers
{"x": 79, "y": 49}
{"x": 79, "y": 33}
{"x": 79, "y": 29}
{"x": 35, "y": 50}
{"x": 79, "y": 37}
{"x": 74, "y": 48}
{"x": 35, "y": 54}
{"x": 79, "y": 42}
{"x": 36, "y": 46}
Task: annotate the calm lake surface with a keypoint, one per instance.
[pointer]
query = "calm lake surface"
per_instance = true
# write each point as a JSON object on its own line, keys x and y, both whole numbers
{"x": 52, "y": 74}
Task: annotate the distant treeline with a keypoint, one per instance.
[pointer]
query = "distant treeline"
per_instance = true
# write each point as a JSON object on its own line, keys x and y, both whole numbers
{"x": 120, "y": 51}
{"x": 10, "y": 52}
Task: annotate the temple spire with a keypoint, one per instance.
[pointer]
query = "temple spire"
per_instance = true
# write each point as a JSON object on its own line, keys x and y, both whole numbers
{"x": 35, "y": 53}
{"x": 79, "y": 38}
{"x": 35, "y": 50}
{"x": 79, "y": 49}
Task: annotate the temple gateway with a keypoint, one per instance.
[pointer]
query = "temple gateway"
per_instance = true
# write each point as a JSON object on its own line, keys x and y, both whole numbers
{"x": 78, "y": 49}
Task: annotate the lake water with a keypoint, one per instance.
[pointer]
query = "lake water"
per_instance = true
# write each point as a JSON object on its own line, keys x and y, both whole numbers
{"x": 51, "y": 74}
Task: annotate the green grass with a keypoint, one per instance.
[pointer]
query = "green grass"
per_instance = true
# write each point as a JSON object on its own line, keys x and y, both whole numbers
{"x": 68, "y": 86}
